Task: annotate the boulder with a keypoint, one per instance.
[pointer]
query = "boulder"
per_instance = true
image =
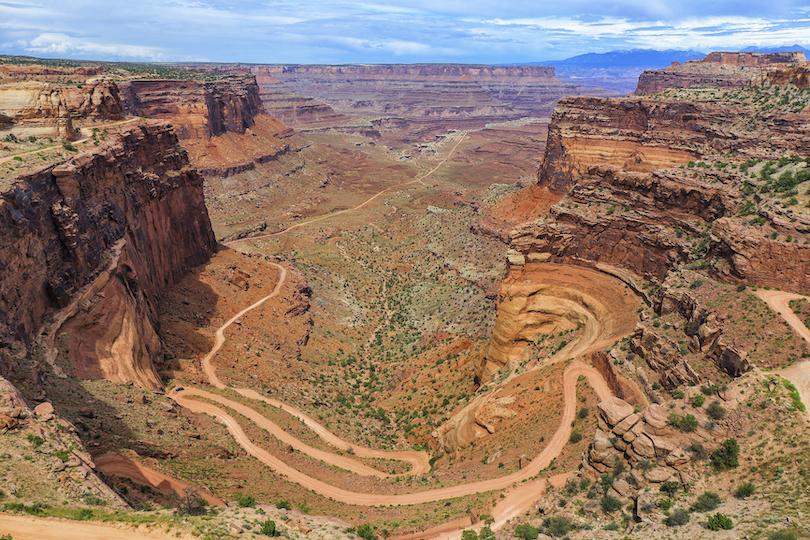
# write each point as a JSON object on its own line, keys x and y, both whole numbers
{"x": 43, "y": 409}
{"x": 625, "y": 425}
{"x": 656, "y": 416}
{"x": 658, "y": 475}
{"x": 621, "y": 486}
{"x": 614, "y": 410}
{"x": 644, "y": 447}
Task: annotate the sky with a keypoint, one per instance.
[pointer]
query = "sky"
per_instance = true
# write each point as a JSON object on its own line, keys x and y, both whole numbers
{"x": 389, "y": 31}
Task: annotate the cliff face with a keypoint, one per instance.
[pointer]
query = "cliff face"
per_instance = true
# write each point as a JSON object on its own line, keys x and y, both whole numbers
{"x": 45, "y": 109}
{"x": 198, "y": 110}
{"x": 291, "y": 108}
{"x": 100, "y": 237}
{"x": 422, "y": 99}
{"x": 641, "y": 135}
{"x": 35, "y": 108}
{"x": 718, "y": 70}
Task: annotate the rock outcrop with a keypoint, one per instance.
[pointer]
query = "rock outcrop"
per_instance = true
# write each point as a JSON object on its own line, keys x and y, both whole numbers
{"x": 718, "y": 70}
{"x": 47, "y": 109}
{"x": 35, "y": 108}
{"x": 197, "y": 110}
{"x": 100, "y": 237}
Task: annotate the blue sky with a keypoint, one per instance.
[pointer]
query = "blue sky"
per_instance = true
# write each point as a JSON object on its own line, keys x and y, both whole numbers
{"x": 388, "y": 31}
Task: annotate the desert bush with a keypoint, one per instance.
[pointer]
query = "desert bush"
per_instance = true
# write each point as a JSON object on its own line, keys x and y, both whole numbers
{"x": 677, "y": 518}
{"x": 716, "y": 411}
{"x": 698, "y": 400}
{"x": 526, "y": 532}
{"x": 191, "y": 503}
{"x": 744, "y": 490}
{"x": 246, "y": 501}
{"x": 557, "y": 525}
{"x": 719, "y": 521}
{"x": 727, "y": 456}
{"x": 583, "y": 412}
{"x": 268, "y": 528}
{"x": 469, "y": 535}
{"x": 686, "y": 423}
{"x": 365, "y": 531}
{"x": 670, "y": 488}
{"x": 575, "y": 437}
{"x": 707, "y": 502}
{"x": 283, "y": 505}
{"x": 610, "y": 504}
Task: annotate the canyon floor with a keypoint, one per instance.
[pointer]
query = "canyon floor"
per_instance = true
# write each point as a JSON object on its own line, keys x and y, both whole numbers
{"x": 367, "y": 343}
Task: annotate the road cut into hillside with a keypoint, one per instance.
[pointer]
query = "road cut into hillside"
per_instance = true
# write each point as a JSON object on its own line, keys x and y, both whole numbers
{"x": 798, "y": 373}
{"x": 117, "y": 465}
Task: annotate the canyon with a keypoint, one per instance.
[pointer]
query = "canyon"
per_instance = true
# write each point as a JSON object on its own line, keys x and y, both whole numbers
{"x": 417, "y": 265}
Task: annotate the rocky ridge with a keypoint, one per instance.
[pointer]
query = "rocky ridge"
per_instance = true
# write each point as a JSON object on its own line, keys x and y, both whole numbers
{"x": 716, "y": 70}
{"x": 117, "y": 225}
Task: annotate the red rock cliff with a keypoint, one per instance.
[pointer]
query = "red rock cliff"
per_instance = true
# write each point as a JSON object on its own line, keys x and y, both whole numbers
{"x": 198, "y": 110}
{"x": 718, "y": 70}
{"x": 101, "y": 236}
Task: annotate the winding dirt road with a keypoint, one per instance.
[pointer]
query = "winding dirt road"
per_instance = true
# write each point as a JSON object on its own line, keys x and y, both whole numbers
{"x": 798, "y": 373}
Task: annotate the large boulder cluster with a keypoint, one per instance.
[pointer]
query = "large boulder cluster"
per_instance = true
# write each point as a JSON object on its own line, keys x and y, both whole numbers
{"x": 644, "y": 441}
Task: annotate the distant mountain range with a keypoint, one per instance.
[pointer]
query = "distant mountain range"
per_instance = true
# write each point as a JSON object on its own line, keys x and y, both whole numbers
{"x": 634, "y": 58}
{"x": 788, "y": 48}
{"x": 619, "y": 70}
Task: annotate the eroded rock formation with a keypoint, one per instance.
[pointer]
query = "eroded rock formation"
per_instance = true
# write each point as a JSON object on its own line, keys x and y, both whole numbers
{"x": 100, "y": 237}
{"x": 718, "y": 70}
{"x": 197, "y": 110}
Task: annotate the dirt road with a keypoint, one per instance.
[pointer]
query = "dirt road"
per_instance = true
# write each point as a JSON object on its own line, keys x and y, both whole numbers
{"x": 418, "y": 179}
{"x": 798, "y": 373}
{"x": 30, "y": 528}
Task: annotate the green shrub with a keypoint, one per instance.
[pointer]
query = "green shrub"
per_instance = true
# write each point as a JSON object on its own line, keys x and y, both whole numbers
{"x": 246, "y": 501}
{"x": 610, "y": 504}
{"x": 486, "y": 534}
{"x": 583, "y": 412}
{"x": 670, "y": 487}
{"x": 64, "y": 455}
{"x": 727, "y": 456}
{"x": 83, "y": 514}
{"x": 686, "y": 423}
{"x": 715, "y": 411}
{"x": 677, "y": 518}
{"x": 707, "y": 502}
{"x": 469, "y": 535}
{"x": 557, "y": 525}
{"x": 269, "y": 528}
{"x": 526, "y": 531}
{"x": 69, "y": 147}
{"x": 744, "y": 490}
{"x": 719, "y": 521}
{"x": 698, "y": 400}
{"x": 575, "y": 437}
{"x": 283, "y": 505}
{"x": 365, "y": 531}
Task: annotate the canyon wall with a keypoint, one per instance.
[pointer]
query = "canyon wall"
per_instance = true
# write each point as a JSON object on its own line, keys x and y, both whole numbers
{"x": 197, "y": 110}
{"x": 722, "y": 70}
{"x": 47, "y": 109}
{"x": 100, "y": 237}
{"x": 420, "y": 99}
{"x": 641, "y": 135}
